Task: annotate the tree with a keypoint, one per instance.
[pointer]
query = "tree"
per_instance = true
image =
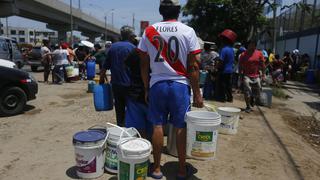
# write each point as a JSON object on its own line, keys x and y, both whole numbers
{"x": 211, "y": 17}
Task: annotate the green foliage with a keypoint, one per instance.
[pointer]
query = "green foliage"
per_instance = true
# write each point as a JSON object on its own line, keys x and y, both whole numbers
{"x": 211, "y": 17}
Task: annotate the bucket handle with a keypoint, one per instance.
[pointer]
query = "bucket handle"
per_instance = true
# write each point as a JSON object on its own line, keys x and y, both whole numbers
{"x": 97, "y": 126}
{"x": 103, "y": 127}
{"x": 206, "y": 106}
{"x": 123, "y": 131}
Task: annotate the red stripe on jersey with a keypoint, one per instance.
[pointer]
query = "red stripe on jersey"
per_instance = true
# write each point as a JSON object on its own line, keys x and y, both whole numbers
{"x": 196, "y": 51}
{"x": 177, "y": 66}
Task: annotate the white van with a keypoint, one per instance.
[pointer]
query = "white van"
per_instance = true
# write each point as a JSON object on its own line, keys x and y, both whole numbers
{"x": 9, "y": 51}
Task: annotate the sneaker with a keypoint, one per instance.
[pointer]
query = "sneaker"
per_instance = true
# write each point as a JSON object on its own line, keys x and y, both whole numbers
{"x": 248, "y": 109}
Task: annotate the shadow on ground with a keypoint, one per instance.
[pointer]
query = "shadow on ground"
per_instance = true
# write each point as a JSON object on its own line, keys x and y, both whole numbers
{"x": 170, "y": 170}
{"x": 314, "y": 105}
{"x": 72, "y": 172}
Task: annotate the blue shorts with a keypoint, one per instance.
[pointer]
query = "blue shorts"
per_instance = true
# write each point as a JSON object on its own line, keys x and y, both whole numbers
{"x": 137, "y": 116}
{"x": 169, "y": 98}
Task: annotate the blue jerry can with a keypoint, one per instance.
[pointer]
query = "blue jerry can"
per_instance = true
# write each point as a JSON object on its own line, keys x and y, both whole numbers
{"x": 102, "y": 96}
{"x": 91, "y": 70}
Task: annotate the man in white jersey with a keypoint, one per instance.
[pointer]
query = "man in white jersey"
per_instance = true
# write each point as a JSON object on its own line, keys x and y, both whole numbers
{"x": 170, "y": 50}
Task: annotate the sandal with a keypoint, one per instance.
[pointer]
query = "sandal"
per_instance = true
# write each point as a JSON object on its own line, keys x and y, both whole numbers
{"x": 190, "y": 173}
{"x": 152, "y": 174}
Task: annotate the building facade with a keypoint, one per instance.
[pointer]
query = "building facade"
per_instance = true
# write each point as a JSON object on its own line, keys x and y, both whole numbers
{"x": 28, "y": 35}
{"x": 296, "y": 28}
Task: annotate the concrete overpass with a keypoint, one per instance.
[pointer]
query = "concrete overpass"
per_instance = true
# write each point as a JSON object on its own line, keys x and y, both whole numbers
{"x": 57, "y": 16}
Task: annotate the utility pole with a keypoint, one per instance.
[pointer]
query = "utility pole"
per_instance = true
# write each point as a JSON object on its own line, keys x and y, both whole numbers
{"x": 105, "y": 27}
{"x": 112, "y": 19}
{"x": 133, "y": 21}
{"x": 79, "y": 3}
{"x": 71, "y": 24}
{"x": 7, "y": 25}
{"x": 274, "y": 8}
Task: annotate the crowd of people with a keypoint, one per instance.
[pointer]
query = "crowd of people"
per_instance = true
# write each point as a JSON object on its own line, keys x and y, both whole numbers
{"x": 56, "y": 58}
{"x": 153, "y": 76}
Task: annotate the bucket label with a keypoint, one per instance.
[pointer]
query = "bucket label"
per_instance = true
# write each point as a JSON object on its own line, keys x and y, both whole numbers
{"x": 141, "y": 171}
{"x": 124, "y": 171}
{"x": 111, "y": 158}
{"x": 85, "y": 166}
{"x": 204, "y": 136}
{"x": 205, "y": 144}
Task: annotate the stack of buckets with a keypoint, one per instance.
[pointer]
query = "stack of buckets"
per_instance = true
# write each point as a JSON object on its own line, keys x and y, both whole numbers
{"x": 115, "y": 149}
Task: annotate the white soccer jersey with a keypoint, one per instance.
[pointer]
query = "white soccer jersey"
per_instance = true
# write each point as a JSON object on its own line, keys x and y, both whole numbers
{"x": 168, "y": 44}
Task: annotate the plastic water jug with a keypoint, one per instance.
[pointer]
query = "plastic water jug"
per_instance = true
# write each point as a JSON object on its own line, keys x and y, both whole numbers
{"x": 310, "y": 77}
{"x": 91, "y": 69}
{"x": 203, "y": 77}
{"x": 103, "y": 100}
{"x": 91, "y": 85}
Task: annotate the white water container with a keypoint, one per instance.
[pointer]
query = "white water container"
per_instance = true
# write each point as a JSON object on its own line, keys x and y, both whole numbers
{"x": 229, "y": 120}
{"x": 133, "y": 154}
{"x": 202, "y": 134}
{"x": 115, "y": 134}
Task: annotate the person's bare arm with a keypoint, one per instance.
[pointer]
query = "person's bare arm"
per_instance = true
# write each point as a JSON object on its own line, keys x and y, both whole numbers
{"x": 145, "y": 67}
{"x": 193, "y": 74}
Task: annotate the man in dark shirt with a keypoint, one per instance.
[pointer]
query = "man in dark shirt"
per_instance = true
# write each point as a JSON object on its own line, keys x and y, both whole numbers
{"x": 120, "y": 80}
{"x": 137, "y": 109}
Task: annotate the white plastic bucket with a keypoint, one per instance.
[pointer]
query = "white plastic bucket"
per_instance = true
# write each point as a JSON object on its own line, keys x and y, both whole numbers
{"x": 229, "y": 120}
{"x": 133, "y": 159}
{"x": 89, "y": 153}
{"x": 69, "y": 70}
{"x": 115, "y": 135}
{"x": 266, "y": 97}
{"x": 202, "y": 134}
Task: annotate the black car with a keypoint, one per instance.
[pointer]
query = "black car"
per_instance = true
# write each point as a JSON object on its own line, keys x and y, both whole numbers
{"x": 16, "y": 88}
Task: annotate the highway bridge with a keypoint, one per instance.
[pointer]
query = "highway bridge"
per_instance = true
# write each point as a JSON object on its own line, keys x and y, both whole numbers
{"x": 56, "y": 15}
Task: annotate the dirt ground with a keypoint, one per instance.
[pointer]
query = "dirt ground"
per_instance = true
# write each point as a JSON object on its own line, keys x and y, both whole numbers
{"x": 37, "y": 145}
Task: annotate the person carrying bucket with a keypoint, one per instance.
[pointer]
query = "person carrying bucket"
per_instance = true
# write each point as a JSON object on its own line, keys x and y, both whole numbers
{"x": 171, "y": 50}
{"x": 250, "y": 64}
{"x": 137, "y": 109}
{"x": 120, "y": 80}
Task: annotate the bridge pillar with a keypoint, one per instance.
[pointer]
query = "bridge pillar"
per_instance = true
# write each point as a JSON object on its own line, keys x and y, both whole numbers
{"x": 62, "y": 35}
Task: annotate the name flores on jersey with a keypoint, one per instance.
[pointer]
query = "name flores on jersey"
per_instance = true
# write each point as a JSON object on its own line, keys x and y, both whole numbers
{"x": 167, "y": 28}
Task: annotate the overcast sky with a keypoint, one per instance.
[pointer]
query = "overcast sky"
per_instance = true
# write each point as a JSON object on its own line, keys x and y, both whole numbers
{"x": 123, "y": 12}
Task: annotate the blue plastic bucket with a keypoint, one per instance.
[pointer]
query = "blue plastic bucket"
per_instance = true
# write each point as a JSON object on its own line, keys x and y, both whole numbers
{"x": 91, "y": 70}
{"x": 310, "y": 77}
{"x": 103, "y": 99}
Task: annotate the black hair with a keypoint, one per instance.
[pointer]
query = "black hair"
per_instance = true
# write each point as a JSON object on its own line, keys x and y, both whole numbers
{"x": 206, "y": 46}
{"x": 226, "y": 41}
{"x": 287, "y": 53}
{"x": 252, "y": 41}
{"x": 97, "y": 46}
{"x": 170, "y": 12}
{"x": 277, "y": 56}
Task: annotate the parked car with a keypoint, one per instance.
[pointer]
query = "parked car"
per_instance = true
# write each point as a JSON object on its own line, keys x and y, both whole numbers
{"x": 34, "y": 58}
{"x": 16, "y": 88}
{"x": 9, "y": 51}
{"x": 7, "y": 63}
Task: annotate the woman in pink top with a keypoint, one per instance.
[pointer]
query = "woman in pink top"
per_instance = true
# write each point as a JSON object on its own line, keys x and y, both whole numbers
{"x": 250, "y": 64}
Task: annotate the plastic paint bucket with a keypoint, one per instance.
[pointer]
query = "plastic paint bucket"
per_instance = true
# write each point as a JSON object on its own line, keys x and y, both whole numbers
{"x": 202, "y": 134}
{"x": 229, "y": 120}
{"x": 115, "y": 135}
{"x": 133, "y": 159}
{"x": 90, "y": 153}
{"x": 266, "y": 97}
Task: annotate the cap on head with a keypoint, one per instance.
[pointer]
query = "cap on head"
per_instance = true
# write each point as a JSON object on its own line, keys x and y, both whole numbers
{"x": 229, "y": 34}
{"x": 126, "y": 32}
{"x": 169, "y": 3}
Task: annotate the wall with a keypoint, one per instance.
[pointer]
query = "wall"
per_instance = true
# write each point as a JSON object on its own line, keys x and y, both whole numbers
{"x": 291, "y": 44}
{"x": 308, "y": 45}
